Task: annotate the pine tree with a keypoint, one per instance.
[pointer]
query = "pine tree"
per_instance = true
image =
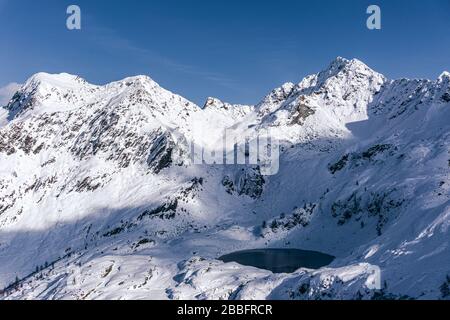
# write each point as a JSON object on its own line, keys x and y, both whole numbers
{"x": 445, "y": 290}
{"x": 274, "y": 225}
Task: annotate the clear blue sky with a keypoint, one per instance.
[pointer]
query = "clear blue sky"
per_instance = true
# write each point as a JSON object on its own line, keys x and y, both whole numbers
{"x": 234, "y": 50}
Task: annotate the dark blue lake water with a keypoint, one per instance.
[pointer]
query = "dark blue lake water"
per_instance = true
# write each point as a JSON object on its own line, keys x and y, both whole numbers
{"x": 279, "y": 260}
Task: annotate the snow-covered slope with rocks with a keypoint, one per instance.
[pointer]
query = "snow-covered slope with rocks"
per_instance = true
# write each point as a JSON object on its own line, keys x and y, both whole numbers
{"x": 99, "y": 198}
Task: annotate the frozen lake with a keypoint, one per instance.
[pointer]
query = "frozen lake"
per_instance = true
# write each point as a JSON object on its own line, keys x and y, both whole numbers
{"x": 279, "y": 260}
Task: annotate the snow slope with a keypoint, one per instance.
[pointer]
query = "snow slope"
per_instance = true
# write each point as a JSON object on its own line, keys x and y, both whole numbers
{"x": 100, "y": 199}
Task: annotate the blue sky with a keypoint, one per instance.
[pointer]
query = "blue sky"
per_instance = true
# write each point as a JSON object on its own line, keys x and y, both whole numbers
{"x": 234, "y": 50}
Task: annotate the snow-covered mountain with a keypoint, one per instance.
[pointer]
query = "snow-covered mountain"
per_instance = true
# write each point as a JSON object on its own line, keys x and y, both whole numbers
{"x": 100, "y": 199}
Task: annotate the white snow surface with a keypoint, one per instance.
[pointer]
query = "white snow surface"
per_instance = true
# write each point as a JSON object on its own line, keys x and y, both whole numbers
{"x": 99, "y": 198}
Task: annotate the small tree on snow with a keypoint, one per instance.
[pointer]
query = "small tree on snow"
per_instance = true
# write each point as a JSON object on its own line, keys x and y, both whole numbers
{"x": 445, "y": 290}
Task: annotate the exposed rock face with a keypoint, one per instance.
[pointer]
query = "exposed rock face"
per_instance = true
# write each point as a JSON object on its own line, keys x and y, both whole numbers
{"x": 251, "y": 183}
{"x": 248, "y": 182}
{"x": 160, "y": 156}
{"x": 301, "y": 112}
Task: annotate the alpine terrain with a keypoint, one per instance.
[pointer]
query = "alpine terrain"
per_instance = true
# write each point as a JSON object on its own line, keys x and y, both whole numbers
{"x": 100, "y": 197}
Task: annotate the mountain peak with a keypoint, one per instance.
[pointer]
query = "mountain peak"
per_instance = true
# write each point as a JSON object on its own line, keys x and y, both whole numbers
{"x": 212, "y": 102}
{"x": 63, "y": 80}
{"x": 49, "y": 92}
{"x": 445, "y": 75}
{"x": 70, "y": 81}
{"x": 346, "y": 70}
{"x": 139, "y": 79}
{"x": 340, "y": 64}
